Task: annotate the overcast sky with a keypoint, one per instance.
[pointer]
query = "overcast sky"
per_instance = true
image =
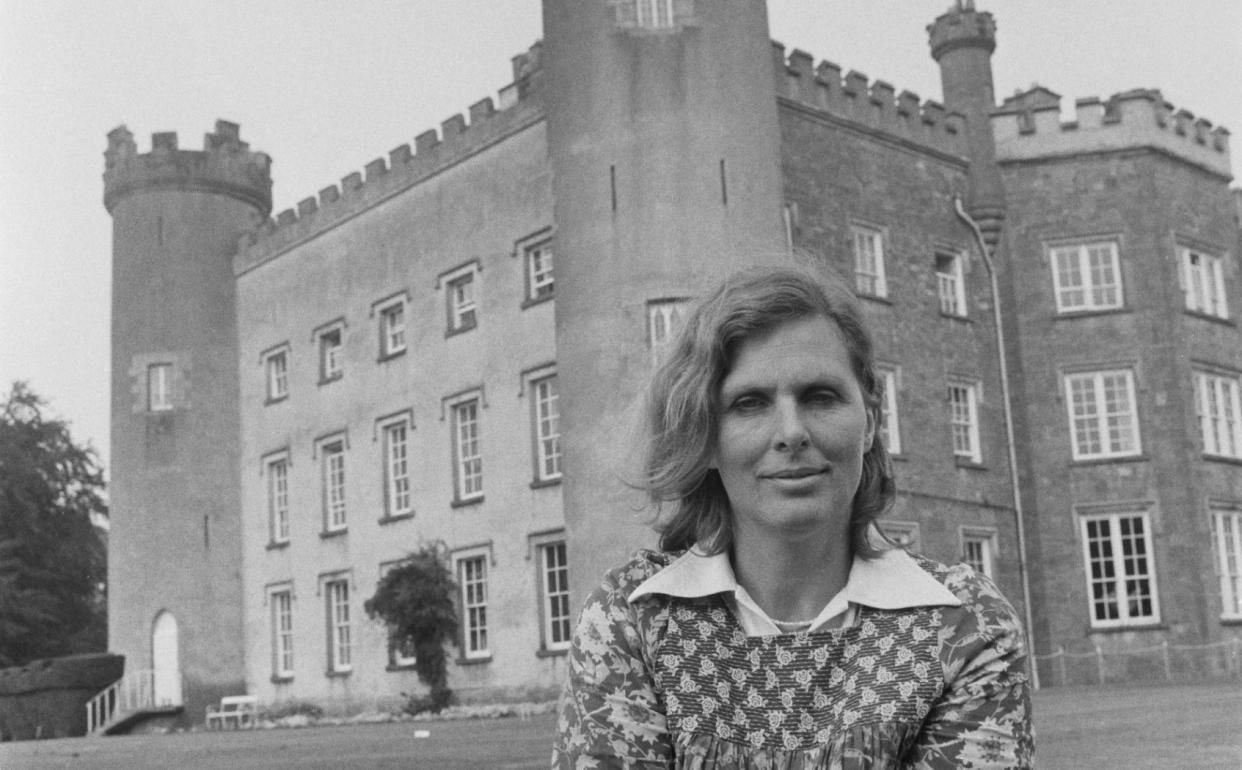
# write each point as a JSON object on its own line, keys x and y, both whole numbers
{"x": 324, "y": 87}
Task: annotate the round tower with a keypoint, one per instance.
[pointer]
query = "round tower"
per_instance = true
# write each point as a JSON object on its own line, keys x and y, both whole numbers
{"x": 174, "y": 561}
{"x": 665, "y": 150}
{"x": 962, "y": 41}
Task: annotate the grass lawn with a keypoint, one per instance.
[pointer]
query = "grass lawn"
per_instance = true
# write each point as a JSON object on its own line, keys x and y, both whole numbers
{"x": 1136, "y": 728}
{"x": 1167, "y": 727}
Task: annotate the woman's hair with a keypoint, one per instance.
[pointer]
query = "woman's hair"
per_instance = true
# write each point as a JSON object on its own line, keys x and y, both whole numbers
{"x": 682, "y": 410}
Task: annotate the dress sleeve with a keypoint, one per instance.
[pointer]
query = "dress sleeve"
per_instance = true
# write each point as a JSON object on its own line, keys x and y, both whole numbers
{"x": 610, "y": 714}
{"x": 983, "y": 718}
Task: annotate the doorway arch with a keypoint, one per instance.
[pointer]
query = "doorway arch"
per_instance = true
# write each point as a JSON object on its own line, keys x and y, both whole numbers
{"x": 165, "y": 661}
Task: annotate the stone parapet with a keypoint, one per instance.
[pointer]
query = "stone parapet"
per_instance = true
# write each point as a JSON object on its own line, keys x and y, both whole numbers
{"x": 875, "y": 106}
{"x": 225, "y": 165}
{"x": 962, "y": 27}
{"x": 1028, "y": 126}
{"x": 517, "y": 107}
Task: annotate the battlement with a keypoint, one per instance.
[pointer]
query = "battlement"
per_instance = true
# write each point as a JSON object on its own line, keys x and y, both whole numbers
{"x": 516, "y": 107}
{"x": 962, "y": 27}
{"x": 225, "y": 165}
{"x": 873, "y": 105}
{"x": 1028, "y": 125}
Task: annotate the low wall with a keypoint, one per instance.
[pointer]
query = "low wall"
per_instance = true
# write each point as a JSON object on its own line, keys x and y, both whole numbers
{"x": 47, "y": 698}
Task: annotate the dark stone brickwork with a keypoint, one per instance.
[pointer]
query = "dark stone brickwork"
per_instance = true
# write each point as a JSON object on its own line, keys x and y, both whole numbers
{"x": 838, "y": 173}
{"x": 1149, "y": 203}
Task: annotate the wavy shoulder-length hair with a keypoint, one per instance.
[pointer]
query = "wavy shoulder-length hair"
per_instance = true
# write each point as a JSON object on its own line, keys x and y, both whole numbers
{"x": 682, "y": 405}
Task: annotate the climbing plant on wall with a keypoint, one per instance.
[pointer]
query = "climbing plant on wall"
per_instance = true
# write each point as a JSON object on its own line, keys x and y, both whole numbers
{"x": 415, "y": 599}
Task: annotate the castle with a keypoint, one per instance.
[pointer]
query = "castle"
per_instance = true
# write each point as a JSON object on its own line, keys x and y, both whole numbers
{"x": 447, "y": 347}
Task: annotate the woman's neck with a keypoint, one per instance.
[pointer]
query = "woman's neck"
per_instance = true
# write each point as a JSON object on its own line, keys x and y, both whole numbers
{"x": 791, "y": 579}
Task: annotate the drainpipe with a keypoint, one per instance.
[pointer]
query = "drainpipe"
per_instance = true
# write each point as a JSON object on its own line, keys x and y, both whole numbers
{"x": 1010, "y": 444}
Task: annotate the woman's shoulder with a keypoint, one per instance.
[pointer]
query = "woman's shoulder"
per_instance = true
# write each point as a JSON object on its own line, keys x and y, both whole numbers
{"x": 977, "y": 592}
{"x": 624, "y": 579}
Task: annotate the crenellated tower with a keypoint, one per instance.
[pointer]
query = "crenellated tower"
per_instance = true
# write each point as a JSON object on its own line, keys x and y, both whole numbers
{"x": 665, "y": 151}
{"x": 962, "y": 41}
{"x": 174, "y": 582}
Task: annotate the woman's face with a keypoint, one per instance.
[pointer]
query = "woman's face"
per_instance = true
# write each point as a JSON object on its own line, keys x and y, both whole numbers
{"x": 793, "y": 428}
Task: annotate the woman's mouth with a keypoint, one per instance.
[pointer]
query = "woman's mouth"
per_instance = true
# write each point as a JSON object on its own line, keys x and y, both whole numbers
{"x": 796, "y": 473}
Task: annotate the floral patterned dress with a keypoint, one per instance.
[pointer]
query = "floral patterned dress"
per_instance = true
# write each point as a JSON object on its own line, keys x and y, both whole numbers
{"x": 675, "y": 682}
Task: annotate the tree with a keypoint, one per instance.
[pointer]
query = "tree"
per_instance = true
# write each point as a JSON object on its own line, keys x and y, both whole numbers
{"x": 52, "y": 554}
{"x": 415, "y": 599}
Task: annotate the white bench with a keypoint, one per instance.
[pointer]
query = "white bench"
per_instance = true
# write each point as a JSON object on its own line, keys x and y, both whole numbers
{"x": 239, "y": 710}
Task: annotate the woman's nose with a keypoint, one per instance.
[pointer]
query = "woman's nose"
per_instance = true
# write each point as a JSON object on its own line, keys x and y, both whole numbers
{"x": 790, "y": 432}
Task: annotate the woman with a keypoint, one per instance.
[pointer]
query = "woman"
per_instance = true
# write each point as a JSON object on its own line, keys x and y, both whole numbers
{"x": 775, "y": 628}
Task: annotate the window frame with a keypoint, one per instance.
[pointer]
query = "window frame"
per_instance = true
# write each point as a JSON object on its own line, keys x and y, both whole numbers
{"x": 282, "y": 638}
{"x": 972, "y": 454}
{"x": 540, "y": 283}
{"x": 954, "y": 305}
{"x": 904, "y": 534}
{"x": 340, "y": 646}
{"x": 1101, "y": 417}
{"x": 328, "y": 447}
{"x": 278, "y": 516}
{"x": 386, "y": 427}
{"x": 1117, "y": 559}
{"x": 1227, "y": 546}
{"x": 545, "y": 427}
{"x": 870, "y": 281}
{"x": 555, "y": 611}
{"x": 986, "y": 538}
{"x": 653, "y": 17}
{"x": 331, "y": 367}
{"x": 455, "y": 406}
{"x": 469, "y": 632}
{"x": 659, "y": 14}
{"x": 159, "y": 387}
{"x": 537, "y": 287}
{"x": 276, "y": 365}
{"x": 890, "y": 419}
{"x": 1080, "y": 252}
{"x": 461, "y": 314}
{"x": 384, "y": 311}
{"x": 1203, "y": 287}
{"x": 1224, "y": 426}
{"x": 665, "y": 316}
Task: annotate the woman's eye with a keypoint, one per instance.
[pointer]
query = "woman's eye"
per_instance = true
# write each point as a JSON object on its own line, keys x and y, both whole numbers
{"x": 747, "y": 403}
{"x": 822, "y": 397}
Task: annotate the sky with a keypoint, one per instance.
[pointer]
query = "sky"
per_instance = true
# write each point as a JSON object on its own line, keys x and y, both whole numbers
{"x": 324, "y": 87}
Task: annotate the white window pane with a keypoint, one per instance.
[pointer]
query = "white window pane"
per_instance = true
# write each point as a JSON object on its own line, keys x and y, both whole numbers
{"x": 547, "y": 429}
{"x": 397, "y": 468}
{"x": 334, "y": 486}
{"x": 557, "y": 618}
{"x": 539, "y": 270}
{"x": 1119, "y": 570}
{"x": 890, "y": 430}
{"x": 469, "y": 461}
{"x": 473, "y": 580}
{"x": 868, "y": 261}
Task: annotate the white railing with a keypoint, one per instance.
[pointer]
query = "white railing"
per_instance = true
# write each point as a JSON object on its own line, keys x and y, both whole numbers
{"x": 133, "y": 692}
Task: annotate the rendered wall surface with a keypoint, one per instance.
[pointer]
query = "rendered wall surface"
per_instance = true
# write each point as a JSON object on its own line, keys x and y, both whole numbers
{"x": 174, "y": 543}
{"x": 477, "y": 210}
{"x": 665, "y": 155}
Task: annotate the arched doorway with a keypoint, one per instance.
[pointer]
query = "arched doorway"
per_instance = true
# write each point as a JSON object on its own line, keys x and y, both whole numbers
{"x": 166, "y": 661}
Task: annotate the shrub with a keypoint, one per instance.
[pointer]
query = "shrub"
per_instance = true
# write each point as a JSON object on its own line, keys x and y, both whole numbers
{"x": 415, "y": 599}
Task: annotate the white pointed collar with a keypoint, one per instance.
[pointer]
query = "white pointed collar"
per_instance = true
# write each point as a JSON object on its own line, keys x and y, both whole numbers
{"x": 890, "y": 581}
